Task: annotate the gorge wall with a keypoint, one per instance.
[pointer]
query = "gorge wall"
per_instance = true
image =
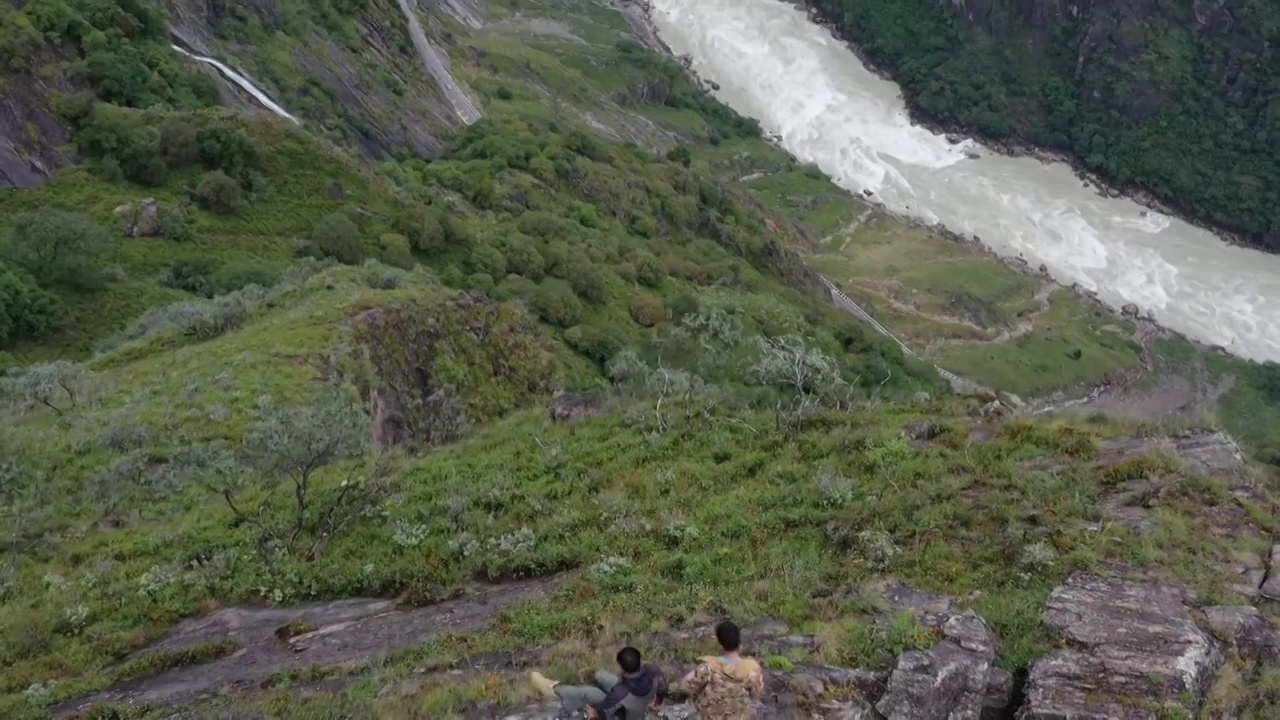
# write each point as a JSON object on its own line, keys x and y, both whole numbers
{"x": 1180, "y": 98}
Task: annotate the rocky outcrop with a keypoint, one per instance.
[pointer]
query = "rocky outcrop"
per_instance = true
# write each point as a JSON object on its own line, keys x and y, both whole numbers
{"x": 654, "y": 91}
{"x": 139, "y": 219}
{"x": 1270, "y": 588}
{"x": 31, "y": 136}
{"x": 950, "y": 679}
{"x": 1130, "y": 648}
{"x": 1245, "y": 631}
{"x": 572, "y": 406}
{"x": 412, "y": 115}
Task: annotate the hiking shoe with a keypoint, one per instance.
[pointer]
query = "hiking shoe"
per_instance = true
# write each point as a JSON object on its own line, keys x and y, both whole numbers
{"x": 543, "y": 684}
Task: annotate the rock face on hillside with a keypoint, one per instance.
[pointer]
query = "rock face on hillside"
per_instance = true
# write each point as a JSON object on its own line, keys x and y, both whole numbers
{"x": 1129, "y": 646}
{"x": 379, "y": 87}
{"x": 31, "y": 136}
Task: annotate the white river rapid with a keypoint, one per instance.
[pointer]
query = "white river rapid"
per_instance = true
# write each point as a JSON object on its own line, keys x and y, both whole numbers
{"x": 774, "y": 65}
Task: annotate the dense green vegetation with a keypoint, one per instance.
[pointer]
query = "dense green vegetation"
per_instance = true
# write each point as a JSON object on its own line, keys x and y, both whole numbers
{"x": 122, "y": 46}
{"x": 1159, "y": 102}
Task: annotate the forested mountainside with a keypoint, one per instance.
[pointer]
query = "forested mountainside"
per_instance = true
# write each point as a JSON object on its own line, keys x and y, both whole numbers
{"x": 367, "y": 414}
{"x": 1179, "y": 98}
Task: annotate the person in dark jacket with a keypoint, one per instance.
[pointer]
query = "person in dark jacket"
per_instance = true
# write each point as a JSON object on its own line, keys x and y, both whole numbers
{"x": 613, "y": 696}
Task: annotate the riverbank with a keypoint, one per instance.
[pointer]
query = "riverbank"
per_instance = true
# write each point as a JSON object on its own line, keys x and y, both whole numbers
{"x": 639, "y": 16}
{"x": 1017, "y": 147}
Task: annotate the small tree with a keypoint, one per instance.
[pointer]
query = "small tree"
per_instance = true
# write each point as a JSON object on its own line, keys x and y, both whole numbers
{"x": 58, "y": 248}
{"x": 338, "y": 237}
{"x": 489, "y": 260}
{"x": 587, "y": 281}
{"x": 289, "y": 446}
{"x": 647, "y": 309}
{"x": 394, "y": 250}
{"x": 59, "y": 385}
{"x": 555, "y": 303}
{"x": 787, "y": 362}
{"x": 220, "y": 194}
{"x": 26, "y": 310}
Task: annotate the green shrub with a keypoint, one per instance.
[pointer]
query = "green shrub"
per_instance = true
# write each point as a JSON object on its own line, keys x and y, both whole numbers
{"x": 394, "y": 250}
{"x": 587, "y": 280}
{"x": 597, "y": 343}
{"x": 218, "y": 193}
{"x": 555, "y": 303}
{"x": 58, "y": 248}
{"x": 650, "y": 272}
{"x": 480, "y": 281}
{"x": 489, "y": 260}
{"x": 680, "y": 154}
{"x": 236, "y": 276}
{"x": 193, "y": 275}
{"x": 226, "y": 149}
{"x": 647, "y": 310}
{"x": 336, "y": 236}
{"x": 685, "y": 304}
{"x": 175, "y": 224}
{"x": 26, "y": 310}
{"x": 523, "y": 258}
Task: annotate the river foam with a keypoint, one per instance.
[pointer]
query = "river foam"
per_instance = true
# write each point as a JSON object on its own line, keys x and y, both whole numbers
{"x": 772, "y": 64}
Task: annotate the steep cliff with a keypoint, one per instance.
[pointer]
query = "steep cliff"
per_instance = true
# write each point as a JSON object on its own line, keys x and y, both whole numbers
{"x": 1177, "y": 97}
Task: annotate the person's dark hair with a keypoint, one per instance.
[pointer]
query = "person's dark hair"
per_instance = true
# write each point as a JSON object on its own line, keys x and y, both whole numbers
{"x": 629, "y": 659}
{"x": 729, "y": 636}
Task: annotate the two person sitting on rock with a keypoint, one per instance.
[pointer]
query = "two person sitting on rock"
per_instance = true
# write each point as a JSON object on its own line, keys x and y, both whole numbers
{"x": 627, "y": 696}
{"x": 721, "y": 687}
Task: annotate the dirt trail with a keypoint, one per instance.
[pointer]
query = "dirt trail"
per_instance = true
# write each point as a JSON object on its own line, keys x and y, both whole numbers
{"x": 340, "y": 631}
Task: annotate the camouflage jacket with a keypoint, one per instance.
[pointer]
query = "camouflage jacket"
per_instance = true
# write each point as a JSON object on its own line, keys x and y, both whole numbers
{"x": 723, "y": 689}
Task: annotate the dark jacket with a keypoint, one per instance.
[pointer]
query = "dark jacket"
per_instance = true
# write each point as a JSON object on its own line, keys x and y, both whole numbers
{"x": 641, "y": 683}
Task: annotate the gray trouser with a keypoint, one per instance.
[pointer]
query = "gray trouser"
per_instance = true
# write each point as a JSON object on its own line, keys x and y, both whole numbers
{"x": 577, "y": 697}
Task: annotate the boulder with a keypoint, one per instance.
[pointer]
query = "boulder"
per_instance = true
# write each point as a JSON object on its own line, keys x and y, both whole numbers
{"x": 922, "y": 430}
{"x": 1270, "y": 589}
{"x": 1130, "y": 310}
{"x": 139, "y": 219}
{"x": 1245, "y": 631}
{"x": 995, "y": 408}
{"x": 572, "y": 406}
{"x": 949, "y": 680}
{"x": 1130, "y": 647}
{"x": 1012, "y": 400}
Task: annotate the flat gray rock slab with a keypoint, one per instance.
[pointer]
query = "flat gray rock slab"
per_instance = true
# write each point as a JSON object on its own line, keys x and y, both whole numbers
{"x": 1132, "y": 648}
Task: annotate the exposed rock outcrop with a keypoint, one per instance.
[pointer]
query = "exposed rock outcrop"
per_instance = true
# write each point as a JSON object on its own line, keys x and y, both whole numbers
{"x": 413, "y": 117}
{"x": 1270, "y": 589}
{"x": 1245, "y": 631}
{"x": 572, "y": 406}
{"x": 948, "y": 680}
{"x": 1130, "y": 647}
{"x": 139, "y": 219}
{"x": 31, "y": 136}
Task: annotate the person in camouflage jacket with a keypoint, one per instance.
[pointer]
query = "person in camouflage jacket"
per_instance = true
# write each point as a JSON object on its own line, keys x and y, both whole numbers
{"x": 724, "y": 687}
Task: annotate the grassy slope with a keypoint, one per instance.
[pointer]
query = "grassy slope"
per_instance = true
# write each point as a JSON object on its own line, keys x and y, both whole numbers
{"x": 719, "y": 512}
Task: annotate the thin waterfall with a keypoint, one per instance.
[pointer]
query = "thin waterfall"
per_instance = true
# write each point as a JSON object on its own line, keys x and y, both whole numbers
{"x": 245, "y": 83}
